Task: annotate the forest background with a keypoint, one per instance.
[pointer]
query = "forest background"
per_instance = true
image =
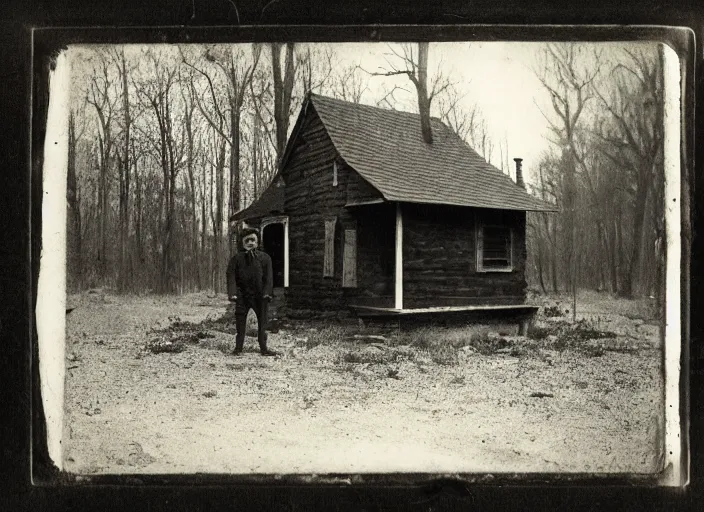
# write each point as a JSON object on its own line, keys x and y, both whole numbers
{"x": 166, "y": 142}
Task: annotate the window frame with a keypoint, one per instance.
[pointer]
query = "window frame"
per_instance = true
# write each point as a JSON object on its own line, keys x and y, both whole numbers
{"x": 479, "y": 249}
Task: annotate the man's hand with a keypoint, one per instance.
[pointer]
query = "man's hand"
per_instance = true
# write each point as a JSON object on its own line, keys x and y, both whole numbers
{"x": 232, "y": 298}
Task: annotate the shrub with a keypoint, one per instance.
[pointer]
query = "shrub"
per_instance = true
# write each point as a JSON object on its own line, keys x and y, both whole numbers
{"x": 458, "y": 379}
{"x": 537, "y": 333}
{"x": 487, "y": 344}
{"x": 553, "y": 311}
{"x": 444, "y": 355}
{"x": 161, "y": 345}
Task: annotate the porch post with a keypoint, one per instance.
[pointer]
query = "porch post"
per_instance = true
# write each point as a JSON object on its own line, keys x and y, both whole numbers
{"x": 398, "y": 279}
{"x": 286, "y": 253}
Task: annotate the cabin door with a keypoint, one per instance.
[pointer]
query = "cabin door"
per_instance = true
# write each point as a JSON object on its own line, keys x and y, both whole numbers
{"x": 273, "y": 242}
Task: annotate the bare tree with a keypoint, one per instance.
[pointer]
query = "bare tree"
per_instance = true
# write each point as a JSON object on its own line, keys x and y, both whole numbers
{"x": 238, "y": 71}
{"x": 101, "y": 95}
{"x": 73, "y": 198}
{"x": 412, "y": 61}
{"x": 468, "y": 123}
{"x": 315, "y": 66}
{"x": 124, "y": 160}
{"x": 350, "y": 85}
{"x": 283, "y": 74}
{"x": 189, "y": 124}
{"x": 158, "y": 91}
{"x": 569, "y": 80}
{"x": 634, "y": 139}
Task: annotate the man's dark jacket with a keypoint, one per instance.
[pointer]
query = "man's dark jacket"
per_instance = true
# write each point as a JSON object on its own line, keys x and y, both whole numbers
{"x": 249, "y": 274}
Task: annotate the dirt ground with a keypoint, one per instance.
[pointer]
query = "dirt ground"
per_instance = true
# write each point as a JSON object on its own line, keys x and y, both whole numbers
{"x": 321, "y": 407}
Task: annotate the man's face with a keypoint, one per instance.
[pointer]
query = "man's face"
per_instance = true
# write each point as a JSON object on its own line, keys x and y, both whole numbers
{"x": 250, "y": 242}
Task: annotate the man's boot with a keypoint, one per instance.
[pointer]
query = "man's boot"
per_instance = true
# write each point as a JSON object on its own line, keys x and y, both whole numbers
{"x": 265, "y": 351}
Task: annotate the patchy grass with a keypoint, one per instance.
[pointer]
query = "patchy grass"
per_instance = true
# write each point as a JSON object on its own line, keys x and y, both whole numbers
{"x": 333, "y": 334}
{"x": 441, "y": 395}
{"x": 537, "y": 332}
{"x": 487, "y": 343}
{"x": 370, "y": 355}
{"x": 224, "y": 346}
{"x": 165, "y": 345}
{"x": 583, "y": 336}
{"x": 440, "y": 344}
{"x": 350, "y": 345}
{"x": 445, "y": 356}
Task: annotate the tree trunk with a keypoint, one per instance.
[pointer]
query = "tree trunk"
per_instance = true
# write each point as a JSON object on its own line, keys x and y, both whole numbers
{"x": 203, "y": 260}
{"x": 104, "y": 204}
{"x": 217, "y": 218}
{"x": 124, "y": 181}
{"x": 423, "y": 99}
{"x": 255, "y": 157}
{"x": 234, "y": 174}
{"x": 283, "y": 89}
{"x": 540, "y": 266}
{"x": 553, "y": 259}
{"x": 138, "y": 239}
{"x": 192, "y": 199}
{"x": 624, "y": 284}
{"x": 637, "y": 234}
{"x": 74, "y": 265}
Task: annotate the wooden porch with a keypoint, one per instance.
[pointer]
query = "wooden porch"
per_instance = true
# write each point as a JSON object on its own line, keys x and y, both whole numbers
{"x": 523, "y": 314}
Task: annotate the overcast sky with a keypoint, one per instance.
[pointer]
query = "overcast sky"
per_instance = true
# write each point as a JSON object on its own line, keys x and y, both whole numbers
{"x": 496, "y": 76}
{"x": 500, "y": 78}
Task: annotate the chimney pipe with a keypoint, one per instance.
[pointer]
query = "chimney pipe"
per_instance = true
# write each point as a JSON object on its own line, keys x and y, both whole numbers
{"x": 519, "y": 173}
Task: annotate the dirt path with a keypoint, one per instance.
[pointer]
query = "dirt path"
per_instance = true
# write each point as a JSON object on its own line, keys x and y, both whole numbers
{"x": 200, "y": 410}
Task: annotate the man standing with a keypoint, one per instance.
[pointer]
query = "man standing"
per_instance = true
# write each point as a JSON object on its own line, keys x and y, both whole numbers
{"x": 250, "y": 286}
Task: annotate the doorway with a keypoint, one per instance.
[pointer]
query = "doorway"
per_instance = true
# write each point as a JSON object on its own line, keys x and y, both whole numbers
{"x": 274, "y": 244}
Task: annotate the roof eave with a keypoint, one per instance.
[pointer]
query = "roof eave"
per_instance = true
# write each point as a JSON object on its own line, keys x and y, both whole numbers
{"x": 546, "y": 209}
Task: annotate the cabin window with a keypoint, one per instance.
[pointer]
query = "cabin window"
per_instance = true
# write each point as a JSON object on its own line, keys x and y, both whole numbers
{"x": 334, "y": 174}
{"x": 329, "y": 255}
{"x": 494, "y": 248}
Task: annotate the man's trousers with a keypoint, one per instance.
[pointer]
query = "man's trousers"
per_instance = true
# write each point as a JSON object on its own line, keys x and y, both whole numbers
{"x": 260, "y": 306}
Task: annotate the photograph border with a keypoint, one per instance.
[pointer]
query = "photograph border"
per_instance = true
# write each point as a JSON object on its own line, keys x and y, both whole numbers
{"x": 45, "y": 42}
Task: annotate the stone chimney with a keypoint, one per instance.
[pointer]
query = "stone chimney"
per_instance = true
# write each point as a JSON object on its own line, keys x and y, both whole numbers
{"x": 519, "y": 173}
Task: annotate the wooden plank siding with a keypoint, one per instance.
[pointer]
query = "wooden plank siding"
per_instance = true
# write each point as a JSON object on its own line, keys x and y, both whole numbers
{"x": 329, "y": 255}
{"x": 440, "y": 259}
{"x": 349, "y": 259}
{"x": 310, "y": 201}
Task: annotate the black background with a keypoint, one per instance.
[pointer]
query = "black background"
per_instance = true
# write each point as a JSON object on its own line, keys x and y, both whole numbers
{"x": 414, "y": 492}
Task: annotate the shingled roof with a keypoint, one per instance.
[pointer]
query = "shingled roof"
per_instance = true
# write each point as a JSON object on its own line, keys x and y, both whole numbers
{"x": 270, "y": 202}
{"x": 386, "y": 147}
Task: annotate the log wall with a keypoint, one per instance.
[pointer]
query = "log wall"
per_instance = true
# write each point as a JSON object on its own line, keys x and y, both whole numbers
{"x": 310, "y": 200}
{"x": 439, "y": 250}
{"x": 439, "y": 257}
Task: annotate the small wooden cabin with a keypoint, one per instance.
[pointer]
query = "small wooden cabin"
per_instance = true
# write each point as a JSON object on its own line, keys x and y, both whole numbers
{"x": 366, "y": 216}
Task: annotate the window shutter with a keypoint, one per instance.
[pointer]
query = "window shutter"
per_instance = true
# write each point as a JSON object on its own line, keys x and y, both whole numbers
{"x": 329, "y": 257}
{"x": 349, "y": 259}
